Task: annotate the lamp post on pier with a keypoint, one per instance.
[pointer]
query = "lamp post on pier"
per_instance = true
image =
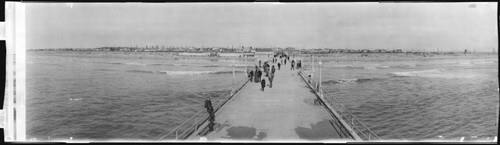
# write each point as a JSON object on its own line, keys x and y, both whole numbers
{"x": 312, "y": 67}
{"x": 319, "y": 83}
{"x": 232, "y": 88}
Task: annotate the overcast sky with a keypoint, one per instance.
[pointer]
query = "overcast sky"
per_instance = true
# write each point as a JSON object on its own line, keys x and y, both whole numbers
{"x": 409, "y": 26}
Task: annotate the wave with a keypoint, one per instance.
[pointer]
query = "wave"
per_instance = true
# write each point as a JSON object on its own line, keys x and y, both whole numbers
{"x": 113, "y": 62}
{"x": 134, "y": 63}
{"x": 404, "y": 66}
{"x": 344, "y": 66}
{"x": 197, "y": 72}
{"x": 228, "y": 66}
{"x": 141, "y": 71}
{"x": 383, "y": 66}
{"x": 162, "y": 64}
{"x": 120, "y": 63}
{"x": 185, "y": 72}
{"x": 345, "y": 81}
{"x": 440, "y": 73}
{"x": 211, "y": 66}
{"x": 103, "y": 69}
{"x": 431, "y": 72}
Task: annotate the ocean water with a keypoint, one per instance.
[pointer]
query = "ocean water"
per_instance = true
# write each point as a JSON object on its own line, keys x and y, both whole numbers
{"x": 417, "y": 100}
{"x": 108, "y": 99}
{"x": 100, "y": 98}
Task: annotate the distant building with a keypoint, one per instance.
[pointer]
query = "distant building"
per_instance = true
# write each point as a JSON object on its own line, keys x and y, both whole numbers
{"x": 230, "y": 54}
{"x": 397, "y": 51}
{"x": 266, "y": 52}
{"x": 248, "y": 54}
{"x": 247, "y": 49}
{"x": 290, "y": 49}
{"x": 194, "y": 54}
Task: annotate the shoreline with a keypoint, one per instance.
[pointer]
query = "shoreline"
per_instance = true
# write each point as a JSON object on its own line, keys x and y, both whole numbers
{"x": 323, "y": 57}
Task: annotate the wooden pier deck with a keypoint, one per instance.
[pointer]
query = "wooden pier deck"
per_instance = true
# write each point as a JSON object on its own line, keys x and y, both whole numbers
{"x": 286, "y": 112}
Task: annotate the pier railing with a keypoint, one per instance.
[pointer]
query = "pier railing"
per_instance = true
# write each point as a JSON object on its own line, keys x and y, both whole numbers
{"x": 192, "y": 124}
{"x": 355, "y": 125}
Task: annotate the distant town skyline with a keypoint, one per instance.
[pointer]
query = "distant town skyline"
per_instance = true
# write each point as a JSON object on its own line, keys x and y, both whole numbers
{"x": 407, "y": 26}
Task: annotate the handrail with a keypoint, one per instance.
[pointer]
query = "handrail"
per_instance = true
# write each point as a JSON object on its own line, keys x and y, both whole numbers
{"x": 340, "y": 108}
{"x": 355, "y": 118}
{"x": 220, "y": 101}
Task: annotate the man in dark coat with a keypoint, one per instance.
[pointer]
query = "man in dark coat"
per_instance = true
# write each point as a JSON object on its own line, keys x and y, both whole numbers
{"x": 256, "y": 74}
{"x": 271, "y": 77}
{"x": 279, "y": 66}
{"x": 268, "y": 69}
{"x": 250, "y": 74}
{"x": 273, "y": 70}
{"x": 263, "y": 84}
{"x": 211, "y": 115}
{"x": 259, "y": 73}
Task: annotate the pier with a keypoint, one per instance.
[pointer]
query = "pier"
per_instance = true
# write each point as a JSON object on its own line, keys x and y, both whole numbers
{"x": 292, "y": 110}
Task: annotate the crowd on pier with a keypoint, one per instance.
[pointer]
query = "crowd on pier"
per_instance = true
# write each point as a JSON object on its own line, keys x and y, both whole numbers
{"x": 263, "y": 73}
{"x": 266, "y": 75}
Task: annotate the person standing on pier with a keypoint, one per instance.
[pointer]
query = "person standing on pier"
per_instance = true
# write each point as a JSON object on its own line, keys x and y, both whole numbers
{"x": 255, "y": 74}
{"x": 299, "y": 63}
{"x": 266, "y": 69}
{"x": 250, "y": 74}
{"x": 273, "y": 70}
{"x": 293, "y": 63}
{"x": 263, "y": 85}
{"x": 260, "y": 63}
{"x": 259, "y": 73}
{"x": 211, "y": 115}
{"x": 271, "y": 77}
{"x": 279, "y": 66}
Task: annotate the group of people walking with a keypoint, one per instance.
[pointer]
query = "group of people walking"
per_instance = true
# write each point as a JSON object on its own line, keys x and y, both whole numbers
{"x": 257, "y": 76}
{"x": 268, "y": 70}
{"x": 297, "y": 65}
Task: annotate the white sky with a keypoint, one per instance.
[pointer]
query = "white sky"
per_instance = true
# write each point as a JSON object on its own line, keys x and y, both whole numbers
{"x": 409, "y": 26}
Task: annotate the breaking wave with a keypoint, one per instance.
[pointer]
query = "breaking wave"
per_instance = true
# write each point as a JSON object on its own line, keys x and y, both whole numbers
{"x": 162, "y": 64}
{"x": 345, "y": 81}
{"x": 211, "y": 66}
{"x": 432, "y": 72}
{"x": 439, "y": 73}
{"x": 185, "y": 72}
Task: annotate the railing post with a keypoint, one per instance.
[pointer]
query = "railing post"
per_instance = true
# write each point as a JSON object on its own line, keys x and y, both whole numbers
{"x": 196, "y": 124}
{"x": 175, "y": 134}
{"x": 352, "y": 121}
